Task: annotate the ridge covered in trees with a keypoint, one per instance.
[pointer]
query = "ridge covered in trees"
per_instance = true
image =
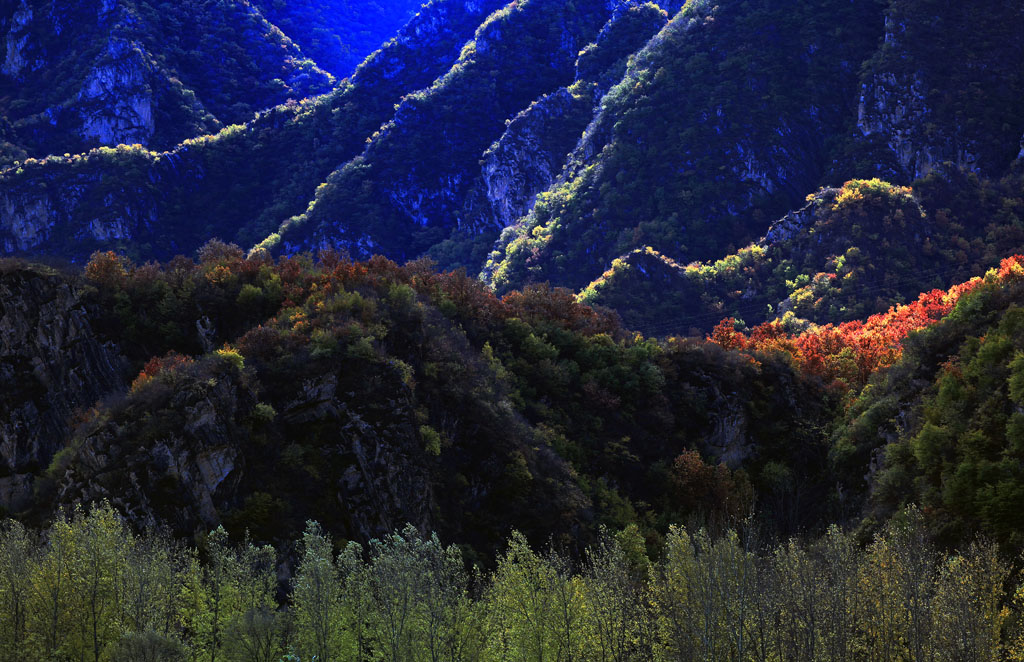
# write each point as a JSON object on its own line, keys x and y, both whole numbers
{"x": 489, "y": 406}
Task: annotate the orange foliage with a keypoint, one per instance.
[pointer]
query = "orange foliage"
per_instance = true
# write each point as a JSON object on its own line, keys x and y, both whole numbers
{"x": 849, "y": 353}
{"x": 714, "y": 491}
{"x": 158, "y": 365}
{"x": 726, "y": 335}
{"x": 108, "y": 269}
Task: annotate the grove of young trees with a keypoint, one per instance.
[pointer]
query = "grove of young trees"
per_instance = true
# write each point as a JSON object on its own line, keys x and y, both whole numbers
{"x": 89, "y": 589}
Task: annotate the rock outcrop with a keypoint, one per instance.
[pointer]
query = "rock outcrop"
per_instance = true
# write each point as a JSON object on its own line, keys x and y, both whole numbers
{"x": 116, "y": 99}
{"x": 15, "y": 59}
{"x": 168, "y": 203}
{"x": 428, "y": 154}
{"x": 53, "y": 366}
{"x": 45, "y": 212}
{"x": 109, "y": 72}
{"x": 525, "y": 161}
{"x": 190, "y": 456}
{"x": 940, "y": 88}
{"x": 538, "y": 142}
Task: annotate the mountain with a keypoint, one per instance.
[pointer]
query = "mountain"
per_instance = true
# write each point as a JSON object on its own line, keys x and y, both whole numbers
{"x": 76, "y": 75}
{"x": 547, "y": 141}
{"x": 690, "y": 184}
{"x": 232, "y": 184}
{"x": 338, "y": 34}
{"x": 692, "y": 328}
{"x": 409, "y": 189}
{"x": 258, "y": 395}
{"x": 106, "y": 72}
{"x": 208, "y": 393}
{"x": 805, "y": 171}
{"x": 848, "y": 253}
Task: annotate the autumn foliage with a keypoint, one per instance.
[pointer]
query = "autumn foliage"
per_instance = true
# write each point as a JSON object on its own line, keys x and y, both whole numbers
{"x": 847, "y": 354}
{"x": 158, "y": 365}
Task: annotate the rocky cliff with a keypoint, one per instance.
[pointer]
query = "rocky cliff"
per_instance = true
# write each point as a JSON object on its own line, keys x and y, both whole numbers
{"x": 53, "y": 368}
{"x": 537, "y": 143}
{"x": 940, "y": 88}
{"x": 402, "y": 195}
{"x": 106, "y": 72}
{"x": 706, "y": 133}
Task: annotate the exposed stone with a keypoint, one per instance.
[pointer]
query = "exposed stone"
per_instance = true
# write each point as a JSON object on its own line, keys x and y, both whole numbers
{"x": 525, "y": 161}
{"x": 117, "y": 104}
{"x": 893, "y": 106}
{"x": 25, "y": 220}
{"x": 51, "y": 365}
{"x": 730, "y": 443}
{"x": 797, "y": 223}
{"x": 17, "y": 38}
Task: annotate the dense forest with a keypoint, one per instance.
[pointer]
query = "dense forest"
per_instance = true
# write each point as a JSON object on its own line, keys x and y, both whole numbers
{"x": 535, "y": 330}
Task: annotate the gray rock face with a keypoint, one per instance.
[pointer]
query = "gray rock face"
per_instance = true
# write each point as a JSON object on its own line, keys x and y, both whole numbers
{"x": 183, "y": 478}
{"x": 796, "y": 223}
{"x": 893, "y": 107}
{"x": 25, "y": 221}
{"x": 52, "y": 365}
{"x": 192, "y": 462}
{"x": 539, "y": 141}
{"x": 525, "y": 161}
{"x": 116, "y": 98}
{"x": 44, "y": 210}
{"x": 385, "y": 484}
{"x": 514, "y": 168}
{"x": 17, "y": 38}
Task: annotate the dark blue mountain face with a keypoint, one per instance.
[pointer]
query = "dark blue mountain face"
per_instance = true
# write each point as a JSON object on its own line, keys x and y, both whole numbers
{"x": 90, "y": 73}
{"x": 237, "y": 184}
{"x": 339, "y": 34}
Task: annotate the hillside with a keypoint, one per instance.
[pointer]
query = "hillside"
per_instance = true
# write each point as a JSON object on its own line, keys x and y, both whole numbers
{"x": 159, "y": 204}
{"x": 373, "y": 385}
{"x": 79, "y": 75}
{"x": 220, "y": 387}
{"x": 547, "y": 141}
{"x": 519, "y": 331}
{"x": 848, "y": 253}
{"x": 339, "y": 34}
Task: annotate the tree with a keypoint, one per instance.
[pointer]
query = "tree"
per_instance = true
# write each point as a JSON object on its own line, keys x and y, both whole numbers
{"x": 317, "y": 598}
{"x": 617, "y": 600}
{"x": 19, "y": 553}
{"x": 521, "y": 605}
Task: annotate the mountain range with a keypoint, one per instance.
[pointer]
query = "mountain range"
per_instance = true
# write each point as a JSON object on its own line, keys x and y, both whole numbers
{"x": 548, "y": 265}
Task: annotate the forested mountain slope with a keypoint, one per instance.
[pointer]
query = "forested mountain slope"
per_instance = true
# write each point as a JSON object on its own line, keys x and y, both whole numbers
{"x": 649, "y": 187}
{"x": 368, "y": 395}
{"x": 259, "y": 394}
{"x": 584, "y": 133}
{"x": 850, "y": 252}
{"x": 233, "y": 183}
{"x": 727, "y": 112}
{"x": 77, "y": 75}
{"x": 693, "y": 327}
{"x": 339, "y": 34}
{"x": 407, "y": 192}
{"x": 626, "y": 150}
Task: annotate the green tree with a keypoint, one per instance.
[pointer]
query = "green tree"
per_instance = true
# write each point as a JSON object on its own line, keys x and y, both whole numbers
{"x": 317, "y": 598}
